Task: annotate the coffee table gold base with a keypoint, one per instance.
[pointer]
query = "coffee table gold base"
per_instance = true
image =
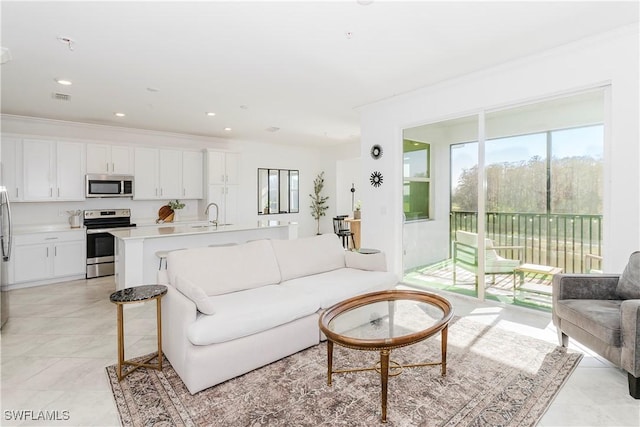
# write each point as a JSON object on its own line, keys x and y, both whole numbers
{"x": 388, "y": 368}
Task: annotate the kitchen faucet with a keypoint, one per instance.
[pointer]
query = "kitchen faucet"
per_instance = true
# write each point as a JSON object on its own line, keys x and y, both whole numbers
{"x": 206, "y": 212}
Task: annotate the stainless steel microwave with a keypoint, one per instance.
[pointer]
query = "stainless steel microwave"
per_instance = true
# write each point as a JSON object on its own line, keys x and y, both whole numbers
{"x": 109, "y": 186}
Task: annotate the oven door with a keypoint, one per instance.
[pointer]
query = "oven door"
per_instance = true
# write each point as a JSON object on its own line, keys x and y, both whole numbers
{"x": 100, "y": 254}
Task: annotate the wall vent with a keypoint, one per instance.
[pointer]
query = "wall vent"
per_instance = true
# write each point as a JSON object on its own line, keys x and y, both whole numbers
{"x": 61, "y": 96}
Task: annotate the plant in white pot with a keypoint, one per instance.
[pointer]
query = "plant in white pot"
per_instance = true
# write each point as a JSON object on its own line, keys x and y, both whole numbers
{"x": 176, "y": 206}
{"x": 357, "y": 212}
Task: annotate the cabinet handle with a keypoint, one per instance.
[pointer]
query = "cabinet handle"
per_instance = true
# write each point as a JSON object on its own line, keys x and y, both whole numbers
{"x": 184, "y": 192}
{"x": 160, "y": 191}
{"x": 51, "y": 238}
{"x": 50, "y": 192}
{"x": 156, "y": 191}
{"x": 47, "y": 252}
{"x": 58, "y": 191}
{"x": 222, "y": 178}
{"x": 113, "y": 168}
{"x": 55, "y": 251}
{"x": 107, "y": 166}
{"x": 17, "y": 192}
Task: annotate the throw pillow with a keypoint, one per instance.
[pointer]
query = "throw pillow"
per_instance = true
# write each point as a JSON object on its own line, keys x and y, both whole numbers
{"x": 629, "y": 282}
{"x": 195, "y": 294}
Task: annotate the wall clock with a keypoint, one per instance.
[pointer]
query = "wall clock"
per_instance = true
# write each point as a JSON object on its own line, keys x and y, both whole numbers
{"x": 376, "y": 152}
{"x": 376, "y": 179}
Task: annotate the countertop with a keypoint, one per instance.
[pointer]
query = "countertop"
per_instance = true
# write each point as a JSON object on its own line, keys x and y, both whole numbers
{"x": 177, "y": 229}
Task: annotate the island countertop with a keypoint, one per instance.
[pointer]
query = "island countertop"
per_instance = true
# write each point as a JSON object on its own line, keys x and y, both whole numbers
{"x": 168, "y": 230}
{"x": 138, "y": 250}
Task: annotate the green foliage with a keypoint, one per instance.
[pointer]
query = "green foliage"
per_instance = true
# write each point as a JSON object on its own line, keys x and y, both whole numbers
{"x": 576, "y": 186}
{"x": 318, "y": 201}
{"x": 175, "y": 205}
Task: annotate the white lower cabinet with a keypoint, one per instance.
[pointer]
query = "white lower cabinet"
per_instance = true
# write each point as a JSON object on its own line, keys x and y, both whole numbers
{"x": 48, "y": 256}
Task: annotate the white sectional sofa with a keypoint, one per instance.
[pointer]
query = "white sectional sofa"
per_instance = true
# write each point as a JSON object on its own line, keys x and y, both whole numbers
{"x": 232, "y": 309}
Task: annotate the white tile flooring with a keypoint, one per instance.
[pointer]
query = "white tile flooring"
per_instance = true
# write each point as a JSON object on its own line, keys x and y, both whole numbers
{"x": 60, "y": 337}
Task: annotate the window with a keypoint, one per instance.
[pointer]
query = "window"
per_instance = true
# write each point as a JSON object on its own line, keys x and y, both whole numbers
{"x": 417, "y": 180}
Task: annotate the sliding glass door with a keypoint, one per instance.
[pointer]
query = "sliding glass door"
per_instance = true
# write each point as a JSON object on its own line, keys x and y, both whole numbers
{"x": 524, "y": 186}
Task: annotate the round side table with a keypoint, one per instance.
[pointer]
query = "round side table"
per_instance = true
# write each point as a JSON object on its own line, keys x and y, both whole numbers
{"x": 135, "y": 295}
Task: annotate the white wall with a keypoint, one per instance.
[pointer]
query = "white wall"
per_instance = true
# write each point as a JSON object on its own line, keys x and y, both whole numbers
{"x": 612, "y": 58}
{"x": 254, "y": 155}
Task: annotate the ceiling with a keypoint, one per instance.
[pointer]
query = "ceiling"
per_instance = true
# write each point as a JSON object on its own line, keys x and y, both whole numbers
{"x": 302, "y": 67}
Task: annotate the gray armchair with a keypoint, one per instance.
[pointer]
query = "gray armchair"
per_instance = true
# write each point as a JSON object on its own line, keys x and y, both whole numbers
{"x": 602, "y": 312}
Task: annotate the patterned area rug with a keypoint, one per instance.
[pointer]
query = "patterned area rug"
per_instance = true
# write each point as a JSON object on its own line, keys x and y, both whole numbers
{"x": 494, "y": 378}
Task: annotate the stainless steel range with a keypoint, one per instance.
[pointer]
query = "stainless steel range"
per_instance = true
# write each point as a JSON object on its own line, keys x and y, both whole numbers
{"x": 100, "y": 244}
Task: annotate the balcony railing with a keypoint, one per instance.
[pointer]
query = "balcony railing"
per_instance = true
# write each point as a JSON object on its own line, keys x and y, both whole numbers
{"x": 559, "y": 240}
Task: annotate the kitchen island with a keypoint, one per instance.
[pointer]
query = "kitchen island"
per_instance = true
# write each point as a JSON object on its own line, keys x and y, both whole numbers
{"x": 136, "y": 262}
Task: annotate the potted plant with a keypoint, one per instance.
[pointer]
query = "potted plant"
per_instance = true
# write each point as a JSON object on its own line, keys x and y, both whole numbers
{"x": 318, "y": 202}
{"x": 176, "y": 206}
{"x": 357, "y": 213}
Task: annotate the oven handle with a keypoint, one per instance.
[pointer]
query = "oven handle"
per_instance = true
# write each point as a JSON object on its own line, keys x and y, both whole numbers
{"x": 99, "y": 231}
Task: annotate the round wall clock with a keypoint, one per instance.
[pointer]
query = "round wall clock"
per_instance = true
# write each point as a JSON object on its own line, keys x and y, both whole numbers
{"x": 376, "y": 152}
{"x": 376, "y": 179}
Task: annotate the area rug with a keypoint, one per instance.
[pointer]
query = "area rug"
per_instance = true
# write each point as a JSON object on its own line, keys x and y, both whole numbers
{"x": 494, "y": 378}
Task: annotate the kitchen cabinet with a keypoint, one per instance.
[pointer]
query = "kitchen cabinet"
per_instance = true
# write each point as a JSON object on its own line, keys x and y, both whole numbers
{"x": 107, "y": 159}
{"x": 192, "y": 180}
{"x": 167, "y": 174}
{"x": 48, "y": 256}
{"x": 223, "y": 167}
{"x": 11, "y": 155}
{"x": 53, "y": 170}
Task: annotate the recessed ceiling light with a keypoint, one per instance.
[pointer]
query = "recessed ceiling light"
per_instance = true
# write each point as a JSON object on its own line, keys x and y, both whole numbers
{"x": 227, "y": 129}
{"x": 210, "y": 114}
{"x": 348, "y": 35}
{"x": 64, "y": 82}
{"x": 153, "y": 89}
{"x": 272, "y": 129}
{"x": 243, "y": 107}
{"x": 119, "y": 114}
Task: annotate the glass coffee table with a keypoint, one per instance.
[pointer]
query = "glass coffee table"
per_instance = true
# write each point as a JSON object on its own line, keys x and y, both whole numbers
{"x": 382, "y": 321}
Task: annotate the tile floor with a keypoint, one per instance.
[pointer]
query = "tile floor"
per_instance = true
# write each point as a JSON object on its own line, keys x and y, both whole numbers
{"x": 60, "y": 337}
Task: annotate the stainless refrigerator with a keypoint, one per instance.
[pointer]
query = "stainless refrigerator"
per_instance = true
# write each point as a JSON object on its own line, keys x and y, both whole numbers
{"x": 5, "y": 240}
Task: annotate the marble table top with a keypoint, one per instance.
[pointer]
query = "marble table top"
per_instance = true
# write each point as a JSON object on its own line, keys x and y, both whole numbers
{"x": 138, "y": 293}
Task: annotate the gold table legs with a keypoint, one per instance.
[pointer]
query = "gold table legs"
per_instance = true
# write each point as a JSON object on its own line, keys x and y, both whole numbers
{"x": 145, "y": 363}
{"x": 386, "y": 365}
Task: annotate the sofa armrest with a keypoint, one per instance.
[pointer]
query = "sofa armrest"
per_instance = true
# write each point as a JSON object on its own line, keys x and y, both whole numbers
{"x": 178, "y": 313}
{"x": 585, "y": 286}
{"x": 370, "y": 262}
{"x": 630, "y": 329}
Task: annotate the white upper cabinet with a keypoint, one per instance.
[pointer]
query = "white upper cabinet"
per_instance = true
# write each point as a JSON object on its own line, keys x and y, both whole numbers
{"x": 11, "y": 151}
{"x": 146, "y": 161}
{"x": 170, "y": 174}
{"x": 53, "y": 170}
{"x": 109, "y": 159}
{"x": 192, "y": 180}
{"x": 223, "y": 167}
{"x": 70, "y": 171}
{"x": 159, "y": 174}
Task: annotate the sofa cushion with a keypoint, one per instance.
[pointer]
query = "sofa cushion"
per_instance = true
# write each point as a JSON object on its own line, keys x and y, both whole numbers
{"x": 220, "y": 270}
{"x": 329, "y": 288}
{"x": 629, "y": 282}
{"x": 600, "y": 317}
{"x": 243, "y": 313}
{"x": 310, "y": 255}
{"x": 195, "y": 294}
